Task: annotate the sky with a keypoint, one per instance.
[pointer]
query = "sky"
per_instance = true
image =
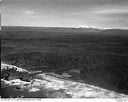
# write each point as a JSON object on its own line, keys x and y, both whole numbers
{"x": 65, "y": 13}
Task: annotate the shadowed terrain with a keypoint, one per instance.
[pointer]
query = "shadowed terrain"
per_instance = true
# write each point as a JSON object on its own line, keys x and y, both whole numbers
{"x": 97, "y": 57}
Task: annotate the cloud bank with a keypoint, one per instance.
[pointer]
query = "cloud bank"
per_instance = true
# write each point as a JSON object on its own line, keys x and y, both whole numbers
{"x": 97, "y": 13}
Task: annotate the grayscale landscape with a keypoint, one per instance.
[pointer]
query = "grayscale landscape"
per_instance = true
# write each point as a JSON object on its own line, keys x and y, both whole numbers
{"x": 64, "y": 49}
{"x": 63, "y": 62}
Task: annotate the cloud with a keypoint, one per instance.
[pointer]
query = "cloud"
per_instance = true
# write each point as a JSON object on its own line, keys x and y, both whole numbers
{"x": 29, "y": 12}
{"x": 99, "y": 13}
{"x": 113, "y": 11}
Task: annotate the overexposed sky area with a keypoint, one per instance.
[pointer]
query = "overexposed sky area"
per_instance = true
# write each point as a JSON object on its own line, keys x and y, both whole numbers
{"x": 65, "y": 13}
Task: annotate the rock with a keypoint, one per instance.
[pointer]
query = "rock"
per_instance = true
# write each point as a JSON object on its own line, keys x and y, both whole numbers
{"x": 18, "y": 87}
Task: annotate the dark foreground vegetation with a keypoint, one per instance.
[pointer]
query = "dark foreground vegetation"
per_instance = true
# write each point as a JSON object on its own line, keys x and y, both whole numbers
{"x": 101, "y": 56}
{"x": 10, "y": 74}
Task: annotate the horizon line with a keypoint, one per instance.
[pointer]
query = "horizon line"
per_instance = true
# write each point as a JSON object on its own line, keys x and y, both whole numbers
{"x": 86, "y": 27}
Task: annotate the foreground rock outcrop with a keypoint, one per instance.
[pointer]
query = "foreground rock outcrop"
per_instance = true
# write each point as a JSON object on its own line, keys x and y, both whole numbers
{"x": 46, "y": 86}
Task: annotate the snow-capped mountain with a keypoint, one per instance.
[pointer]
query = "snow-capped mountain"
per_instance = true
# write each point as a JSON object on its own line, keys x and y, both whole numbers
{"x": 88, "y": 28}
{"x": 83, "y": 26}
